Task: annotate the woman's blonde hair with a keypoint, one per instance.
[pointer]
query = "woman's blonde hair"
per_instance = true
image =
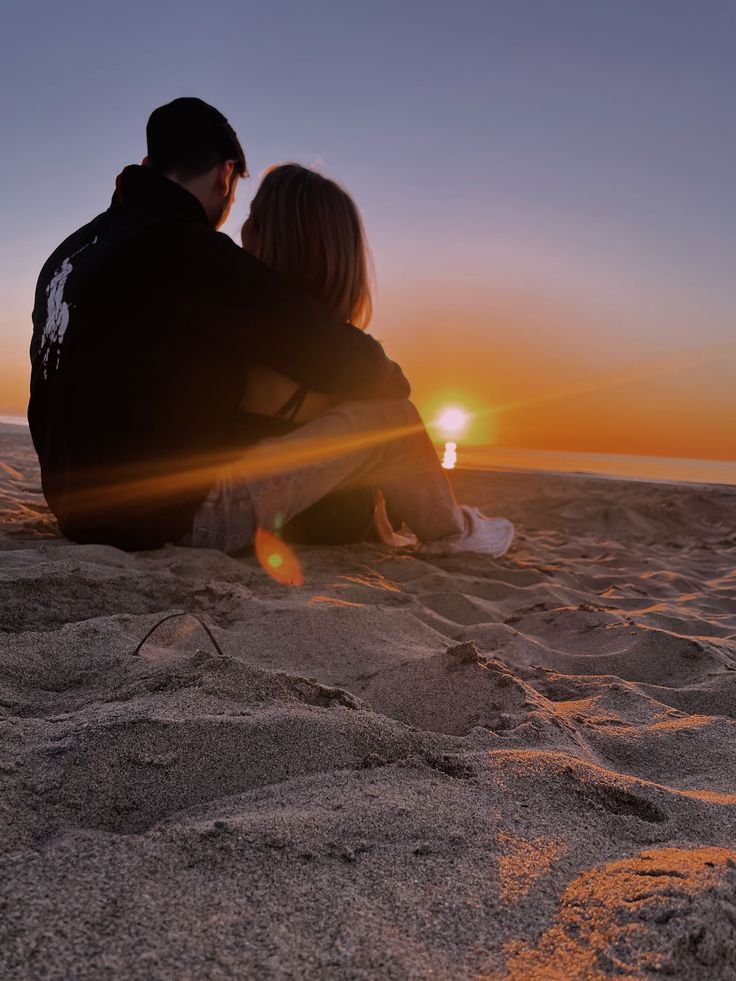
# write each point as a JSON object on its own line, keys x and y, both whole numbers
{"x": 309, "y": 230}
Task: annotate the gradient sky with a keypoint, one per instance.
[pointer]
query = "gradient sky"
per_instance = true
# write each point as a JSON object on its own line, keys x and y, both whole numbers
{"x": 547, "y": 185}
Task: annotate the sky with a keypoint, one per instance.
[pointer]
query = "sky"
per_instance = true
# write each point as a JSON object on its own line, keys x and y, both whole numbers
{"x": 547, "y": 185}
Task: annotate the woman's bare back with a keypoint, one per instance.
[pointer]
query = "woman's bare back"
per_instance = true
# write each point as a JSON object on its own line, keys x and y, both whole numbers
{"x": 267, "y": 391}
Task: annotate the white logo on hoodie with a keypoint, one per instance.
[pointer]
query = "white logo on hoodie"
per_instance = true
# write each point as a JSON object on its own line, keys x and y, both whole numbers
{"x": 57, "y": 311}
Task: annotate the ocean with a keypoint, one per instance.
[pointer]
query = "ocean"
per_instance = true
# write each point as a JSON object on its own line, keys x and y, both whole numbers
{"x": 659, "y": 468}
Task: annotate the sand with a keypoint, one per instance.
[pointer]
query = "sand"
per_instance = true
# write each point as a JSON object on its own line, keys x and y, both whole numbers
{"x": 411, "y": 767}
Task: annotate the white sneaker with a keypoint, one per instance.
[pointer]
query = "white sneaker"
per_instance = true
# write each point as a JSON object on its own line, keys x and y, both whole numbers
{"x": 489, "y": 536}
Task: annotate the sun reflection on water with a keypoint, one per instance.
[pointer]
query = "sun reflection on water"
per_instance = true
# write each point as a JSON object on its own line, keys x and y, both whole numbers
{"x": 449, "y": 459}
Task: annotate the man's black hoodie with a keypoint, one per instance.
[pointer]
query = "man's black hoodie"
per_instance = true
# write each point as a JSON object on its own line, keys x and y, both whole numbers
{"x": 144, "y": 322}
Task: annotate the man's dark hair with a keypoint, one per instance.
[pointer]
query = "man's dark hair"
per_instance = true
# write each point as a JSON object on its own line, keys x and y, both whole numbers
{"x": 188, "y": 137}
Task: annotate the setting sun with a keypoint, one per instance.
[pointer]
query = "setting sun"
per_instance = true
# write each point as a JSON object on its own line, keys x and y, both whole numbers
{"x": 452, "y": 420}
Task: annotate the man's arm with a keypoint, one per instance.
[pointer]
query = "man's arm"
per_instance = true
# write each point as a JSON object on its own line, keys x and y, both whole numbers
{"x": 285, "y": 329}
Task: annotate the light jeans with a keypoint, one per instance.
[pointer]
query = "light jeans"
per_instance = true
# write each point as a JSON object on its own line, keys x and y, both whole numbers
{"x": 381, "y": 443}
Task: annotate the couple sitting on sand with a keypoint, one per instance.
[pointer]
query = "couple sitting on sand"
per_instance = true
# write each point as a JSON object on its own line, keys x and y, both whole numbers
{"x": 187, "y": 390}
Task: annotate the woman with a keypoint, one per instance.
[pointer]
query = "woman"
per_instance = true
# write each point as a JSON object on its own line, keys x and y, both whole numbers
{"x": 309, "y": 230}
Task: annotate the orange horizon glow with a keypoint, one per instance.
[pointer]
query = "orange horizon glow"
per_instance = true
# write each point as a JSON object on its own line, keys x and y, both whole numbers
{"x": 677, "y": 404}
{"x": 611, "y": 397}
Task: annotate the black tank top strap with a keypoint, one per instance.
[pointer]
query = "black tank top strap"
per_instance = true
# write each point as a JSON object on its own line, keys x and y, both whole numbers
{"x": 292, "y": 405}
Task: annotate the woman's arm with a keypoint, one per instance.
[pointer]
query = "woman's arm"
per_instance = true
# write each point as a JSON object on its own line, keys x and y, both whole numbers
{"x": 240, "y": 304}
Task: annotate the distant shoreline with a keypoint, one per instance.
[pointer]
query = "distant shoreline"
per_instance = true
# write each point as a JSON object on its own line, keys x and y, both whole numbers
{"x": 592, "y": 475}
{"x": 610, "y": 466}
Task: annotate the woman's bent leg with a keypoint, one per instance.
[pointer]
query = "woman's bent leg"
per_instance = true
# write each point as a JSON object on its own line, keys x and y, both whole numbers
{"x": 383, "y": 443}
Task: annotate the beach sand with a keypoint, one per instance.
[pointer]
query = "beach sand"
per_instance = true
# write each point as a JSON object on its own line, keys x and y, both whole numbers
{"x": 411, "y": 767}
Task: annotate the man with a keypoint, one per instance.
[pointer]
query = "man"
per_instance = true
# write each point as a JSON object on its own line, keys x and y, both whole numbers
{"x": 144, "y": 321}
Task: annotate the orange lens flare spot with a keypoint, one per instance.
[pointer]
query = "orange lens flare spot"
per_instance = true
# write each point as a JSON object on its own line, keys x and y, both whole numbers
{"x": 277, "y": 559}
